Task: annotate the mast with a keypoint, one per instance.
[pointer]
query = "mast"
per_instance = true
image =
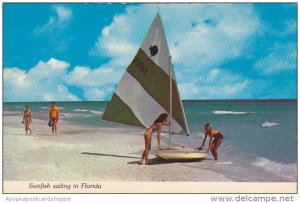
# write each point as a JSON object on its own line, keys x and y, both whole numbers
{"x": 170, "y": 128}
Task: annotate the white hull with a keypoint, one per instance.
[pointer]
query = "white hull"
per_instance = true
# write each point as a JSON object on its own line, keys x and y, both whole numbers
{"x": 181, "y": 154}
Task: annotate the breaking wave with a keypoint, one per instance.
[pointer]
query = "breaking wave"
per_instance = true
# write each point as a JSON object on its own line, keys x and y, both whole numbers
{"x": 288, "y": 171}
{"x": 269, "y": 124}
{"x": 45, "y": 107}
{"x": 97, "y": 112}
{"x": 81, "y": 110}
{"x": 73, "y": 115}
{"x": 85, "y": 110}
{"x": 231, "y": 112}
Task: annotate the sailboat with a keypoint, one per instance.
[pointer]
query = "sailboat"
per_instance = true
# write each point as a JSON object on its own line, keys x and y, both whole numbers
{"x": 148, "y": 88}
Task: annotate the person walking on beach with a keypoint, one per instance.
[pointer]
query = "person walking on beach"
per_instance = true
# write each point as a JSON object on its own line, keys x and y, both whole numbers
{"x": 156, "y": 126}
{"x": 27, "y": 119}
{"x": 53, "y": 117}
{"x": 215, "y": 140}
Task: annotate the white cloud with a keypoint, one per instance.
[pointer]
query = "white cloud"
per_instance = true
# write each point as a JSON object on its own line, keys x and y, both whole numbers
{"x": 98, "y": 94}
{"x": 117, "y": 41}
{"x": 213, "y": 74}
{"x": 43, "y": 82}
{"x": 214, "y": 91}
{"x": 216, "y": 84}
{"x": 86, "y": 77}
{"x": 290, "y": 27}
{"x": 52, "y": 80}
{"x": 228, "y": 90}
{"x": 189, "y": 90}
{"x": 61, "y": 19}
{"x": 96, "y": 84}
{"x": 221, "y": 33}
{"x": 281, "y": 58}
{"x": 64, "y": 14}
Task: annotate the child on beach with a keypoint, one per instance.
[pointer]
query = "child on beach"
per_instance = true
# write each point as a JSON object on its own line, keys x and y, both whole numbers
{"x": 27, "y": 119}
{"x": 213, "y": 145}
{"x": 156, "y": 126}
{"x": 53, "y": 117}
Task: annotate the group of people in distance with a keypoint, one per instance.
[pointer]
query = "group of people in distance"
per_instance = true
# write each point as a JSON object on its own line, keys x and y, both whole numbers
{"x": 53, "y": 118}
{"x": 215, "y": 140}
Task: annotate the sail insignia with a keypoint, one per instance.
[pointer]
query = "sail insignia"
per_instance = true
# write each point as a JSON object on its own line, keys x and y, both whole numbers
{"x": 153, "y": 50}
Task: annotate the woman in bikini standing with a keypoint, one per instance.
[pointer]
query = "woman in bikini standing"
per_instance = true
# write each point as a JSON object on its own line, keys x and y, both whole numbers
{"x": 27, "y": 119}
{"x": 156, "y": 126}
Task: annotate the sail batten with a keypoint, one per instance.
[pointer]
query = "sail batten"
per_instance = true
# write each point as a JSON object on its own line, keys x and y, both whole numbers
{"x": 145, "y": 88}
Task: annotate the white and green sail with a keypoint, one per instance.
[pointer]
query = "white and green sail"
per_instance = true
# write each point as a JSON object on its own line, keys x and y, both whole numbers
{"x": 143, "y": 92}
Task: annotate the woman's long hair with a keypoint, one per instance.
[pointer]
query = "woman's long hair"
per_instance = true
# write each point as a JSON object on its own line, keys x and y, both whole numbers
{"x": 161, "y": 118}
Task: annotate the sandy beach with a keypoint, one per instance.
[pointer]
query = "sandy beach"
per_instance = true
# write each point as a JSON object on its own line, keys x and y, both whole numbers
{"x": 90, "y": 154}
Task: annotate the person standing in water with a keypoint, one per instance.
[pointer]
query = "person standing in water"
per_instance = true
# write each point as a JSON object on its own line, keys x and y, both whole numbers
{"x": 53, "y": 117}
{"x": 27, "y": 119}
{"x": 215, "y": 140}
{"x": 156, "y": 126}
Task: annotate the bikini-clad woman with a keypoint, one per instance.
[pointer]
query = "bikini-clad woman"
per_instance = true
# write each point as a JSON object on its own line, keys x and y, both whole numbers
{"x": 27, "y": 119}
{"x": 216, "y": 139}
{"x": 156, "y": 126}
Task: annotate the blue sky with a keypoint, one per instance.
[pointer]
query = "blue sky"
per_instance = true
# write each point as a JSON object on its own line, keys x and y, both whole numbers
{"x": 69, "y": 52}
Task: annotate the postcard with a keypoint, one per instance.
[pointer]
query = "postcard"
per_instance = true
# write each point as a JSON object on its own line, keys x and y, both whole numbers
{"x": 149, "y": 98}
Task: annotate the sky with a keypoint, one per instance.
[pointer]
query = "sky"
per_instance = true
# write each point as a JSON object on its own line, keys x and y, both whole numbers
{"x": 79, "y": 52}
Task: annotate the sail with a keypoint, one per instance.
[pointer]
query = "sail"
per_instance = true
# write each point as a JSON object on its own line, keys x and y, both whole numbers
{"x": 143, "y": 92}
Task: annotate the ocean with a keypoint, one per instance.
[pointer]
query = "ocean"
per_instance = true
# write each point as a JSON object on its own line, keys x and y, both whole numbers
{"x": 260, "y": 136}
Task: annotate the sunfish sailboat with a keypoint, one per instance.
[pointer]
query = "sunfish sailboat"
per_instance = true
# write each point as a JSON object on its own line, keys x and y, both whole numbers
{"x": 147, "y": 89}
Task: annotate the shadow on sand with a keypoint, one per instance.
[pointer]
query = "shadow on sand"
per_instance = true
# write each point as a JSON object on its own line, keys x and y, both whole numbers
{"x": 45, "y": 134}
{"x": 153, "y": 161}
{"x": 111, "y": 155}
{"x": 158, "y": 161}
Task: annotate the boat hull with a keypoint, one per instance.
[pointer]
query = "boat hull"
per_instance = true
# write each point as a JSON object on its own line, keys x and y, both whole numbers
{"x": 181, "y": 154}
